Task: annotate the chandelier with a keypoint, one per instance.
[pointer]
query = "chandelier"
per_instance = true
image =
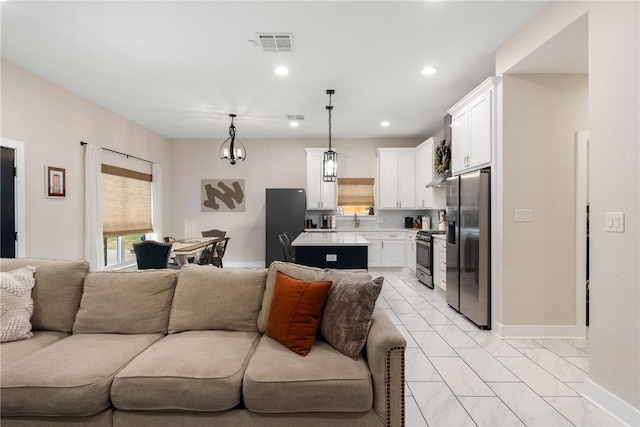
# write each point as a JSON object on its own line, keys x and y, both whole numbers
{"x": 231, "y": 149}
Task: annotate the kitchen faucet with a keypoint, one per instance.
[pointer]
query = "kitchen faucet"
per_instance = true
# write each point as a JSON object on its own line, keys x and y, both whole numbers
{"x": 356, "y": 221}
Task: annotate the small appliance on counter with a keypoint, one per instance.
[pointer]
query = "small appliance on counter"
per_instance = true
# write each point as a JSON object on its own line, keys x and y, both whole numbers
{"x": 334, "y": 221}
{"x": 325, "y": 221}
{"x": 408, "y": 222}
{"x": 310, "y": 224}
{"x": 426, "y": 222}
{"x": 442, "y": 221}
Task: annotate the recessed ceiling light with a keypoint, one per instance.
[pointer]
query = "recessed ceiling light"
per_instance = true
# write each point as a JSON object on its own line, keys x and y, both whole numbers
{"x": 427, "y": 71}
{"x": 294, "y": 124}
{"x": 281, "y": 71}
{"x": 384, "y": 124}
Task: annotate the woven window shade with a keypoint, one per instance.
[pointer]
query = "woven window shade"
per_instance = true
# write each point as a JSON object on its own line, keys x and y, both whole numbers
{"x": 126, "y": 201}
{"x": 355, "y": 192}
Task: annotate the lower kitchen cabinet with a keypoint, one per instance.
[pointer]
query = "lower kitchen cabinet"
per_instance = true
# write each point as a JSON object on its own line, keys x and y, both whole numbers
{"x": 393, "y": 248}
{"x": 440, "y": 262}
{"x": 410, "y": 250}
{"x": 375, "y": 248}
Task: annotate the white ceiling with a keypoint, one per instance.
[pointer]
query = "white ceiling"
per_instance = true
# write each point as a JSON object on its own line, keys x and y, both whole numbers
{"x": 179, "y": 68}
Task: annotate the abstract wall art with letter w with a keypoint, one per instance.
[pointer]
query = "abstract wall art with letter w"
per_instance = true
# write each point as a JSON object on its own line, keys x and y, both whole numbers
{"x": 222, "y": 195}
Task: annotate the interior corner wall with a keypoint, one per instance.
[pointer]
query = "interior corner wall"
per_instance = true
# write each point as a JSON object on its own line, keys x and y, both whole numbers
{"x": 270, "y": 163}
{"x": 51, "y": 121}
{"x": 542, "y": 113}
{"x": 614, "y": 186}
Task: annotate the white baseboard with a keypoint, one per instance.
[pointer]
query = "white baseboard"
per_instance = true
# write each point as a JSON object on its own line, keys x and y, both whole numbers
{"x": 611, "y": 403}
{"x": 242, "y": 264}
{"x": 539, "y": 331}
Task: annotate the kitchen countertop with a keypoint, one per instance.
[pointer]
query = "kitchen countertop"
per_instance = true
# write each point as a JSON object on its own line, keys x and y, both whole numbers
{"x": 330, "y": 239}
{"x": 358, "y": 230}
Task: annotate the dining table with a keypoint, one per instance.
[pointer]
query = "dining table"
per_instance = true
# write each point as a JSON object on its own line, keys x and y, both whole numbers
{"x": 189, "y": 249}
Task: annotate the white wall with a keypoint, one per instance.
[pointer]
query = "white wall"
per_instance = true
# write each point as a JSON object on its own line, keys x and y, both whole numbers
{"x": 542, "y": 112}
{"x": 52, "y": 121}
{"x": 269, "y": 164}
{"x": 614, "y": 108}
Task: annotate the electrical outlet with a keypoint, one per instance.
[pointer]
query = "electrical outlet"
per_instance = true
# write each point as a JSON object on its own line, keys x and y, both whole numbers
{"x": 524, "y": 215}
{"x": 614, "y": 222}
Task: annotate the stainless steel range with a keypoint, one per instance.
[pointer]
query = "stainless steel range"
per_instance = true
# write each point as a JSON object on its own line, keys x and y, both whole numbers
{"x": 424, "y": 256}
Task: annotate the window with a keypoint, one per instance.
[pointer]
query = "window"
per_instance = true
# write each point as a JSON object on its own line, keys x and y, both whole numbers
{"x": 126, "y": 212}
{"x": 355, "y": 195}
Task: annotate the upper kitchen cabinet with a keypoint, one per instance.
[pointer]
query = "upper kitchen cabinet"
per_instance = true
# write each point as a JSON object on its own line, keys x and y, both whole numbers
{"x": 396, "y": 178}
{"x": 473, "y": 128}
{"x": 428, "y": 197}
{"x": 321, "y": 195}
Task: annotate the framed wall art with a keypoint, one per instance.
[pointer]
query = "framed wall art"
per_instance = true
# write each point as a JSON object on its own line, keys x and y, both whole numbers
{"x": 56, "y": 181}
{"x": 222, "y": 195}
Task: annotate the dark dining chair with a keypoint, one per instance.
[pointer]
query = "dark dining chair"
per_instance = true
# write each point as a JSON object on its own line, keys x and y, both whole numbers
{"x": 151, "y": 254}
{"x": 286, "y": 248}
{"x": 169, "y": 239}
{"x": 219, "y": 251}
{"x": 207, "y": 254}
{"x": 214, "y": 233}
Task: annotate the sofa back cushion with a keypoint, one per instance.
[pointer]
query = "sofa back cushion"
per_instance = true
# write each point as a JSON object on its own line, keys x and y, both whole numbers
{"x": 132, "y": 302}
{"x": 57, "y": 291}
{"x": 208, "y": 297}
{"x": 297, "y": 271}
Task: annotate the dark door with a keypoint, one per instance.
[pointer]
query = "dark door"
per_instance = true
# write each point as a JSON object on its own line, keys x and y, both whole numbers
{"x": 8, "y": 199}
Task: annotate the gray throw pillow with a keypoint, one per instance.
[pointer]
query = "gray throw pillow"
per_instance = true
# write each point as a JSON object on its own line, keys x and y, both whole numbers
{"x": 346, "y": 316}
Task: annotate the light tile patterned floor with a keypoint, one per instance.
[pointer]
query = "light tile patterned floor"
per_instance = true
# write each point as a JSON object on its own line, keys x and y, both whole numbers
{"x": 459, "y": 375}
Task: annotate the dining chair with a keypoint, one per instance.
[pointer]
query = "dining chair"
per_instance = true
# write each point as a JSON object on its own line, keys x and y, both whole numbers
{"x": 214, "y": 233}
{"x": 151, "y": 254}
{"x": 284, "y": 243}
{"x": 169, "y": 239}
{"x": 219, "y": 251}
{"x": 290, "y": 248}
{"x": 207, "y": 254}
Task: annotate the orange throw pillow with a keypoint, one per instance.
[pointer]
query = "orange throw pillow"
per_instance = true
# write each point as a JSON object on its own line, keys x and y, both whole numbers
{"x": 295, "y": 312}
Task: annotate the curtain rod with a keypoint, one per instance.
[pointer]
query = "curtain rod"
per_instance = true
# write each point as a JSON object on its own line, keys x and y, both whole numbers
{"x": 118, "y": 152}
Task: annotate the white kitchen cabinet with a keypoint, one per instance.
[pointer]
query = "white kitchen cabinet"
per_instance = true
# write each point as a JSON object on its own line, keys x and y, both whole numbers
{"x": 473, "y": 128}
{"x": 410, "y": 250}
{"x": 440, "y": 262}
{"x": 375, "y": 248}
{"x": 320, "y": 195}
{"x": 396, "y": 178}
{"x": 393, "y": 249}
{"x": 427, "y": 196}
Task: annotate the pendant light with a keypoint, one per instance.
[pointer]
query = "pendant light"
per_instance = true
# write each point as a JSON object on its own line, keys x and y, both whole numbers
{"x": 330, "y": 163}
{"x": 231, "y": 149}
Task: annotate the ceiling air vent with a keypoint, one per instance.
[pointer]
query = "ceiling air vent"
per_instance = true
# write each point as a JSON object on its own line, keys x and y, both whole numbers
{"x": 276, "y": 42}
{"x": 296, "y": 117}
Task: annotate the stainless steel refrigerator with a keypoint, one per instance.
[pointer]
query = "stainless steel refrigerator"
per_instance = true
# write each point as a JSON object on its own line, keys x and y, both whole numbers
{"x": 285, "y": 211}
{"x": 469, "y": 246}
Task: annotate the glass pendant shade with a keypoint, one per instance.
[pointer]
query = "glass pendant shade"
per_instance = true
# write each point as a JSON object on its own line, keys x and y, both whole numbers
{"x": 231, "y": 149}
{"x": 330, "y": 166}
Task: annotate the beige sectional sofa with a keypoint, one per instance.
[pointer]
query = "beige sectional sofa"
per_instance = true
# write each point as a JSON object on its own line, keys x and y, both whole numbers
{"x": 158, "y": 348}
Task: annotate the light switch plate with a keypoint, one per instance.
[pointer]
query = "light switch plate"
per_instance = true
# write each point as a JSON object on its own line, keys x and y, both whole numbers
{"x": 524, "y": 215}
{"x": 614, "y": 222}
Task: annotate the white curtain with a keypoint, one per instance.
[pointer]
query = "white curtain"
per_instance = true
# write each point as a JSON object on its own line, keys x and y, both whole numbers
{"x": 156, "y": 201}
{"x": 93, "y": 240}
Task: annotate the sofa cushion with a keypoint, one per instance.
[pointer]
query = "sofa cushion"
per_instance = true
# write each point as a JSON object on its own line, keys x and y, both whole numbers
{"x": 295, "y": 312}
{"x": 70, "y": 377}
{"x": 16, "y": 305}
{"x": 57, "y": 292}
{"x": 190, "y": 371}
{"x": 298, "y": 271}
{"x": 211, "y": 298}
{"x": 279, "y": 380}
{"x": 346, "y": 316}
{"x": 132, "y": 302}
{"x": 17, "y": 350}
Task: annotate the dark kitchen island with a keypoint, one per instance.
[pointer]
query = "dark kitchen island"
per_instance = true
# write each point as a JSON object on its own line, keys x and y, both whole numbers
{"x": 331, "y": 250}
